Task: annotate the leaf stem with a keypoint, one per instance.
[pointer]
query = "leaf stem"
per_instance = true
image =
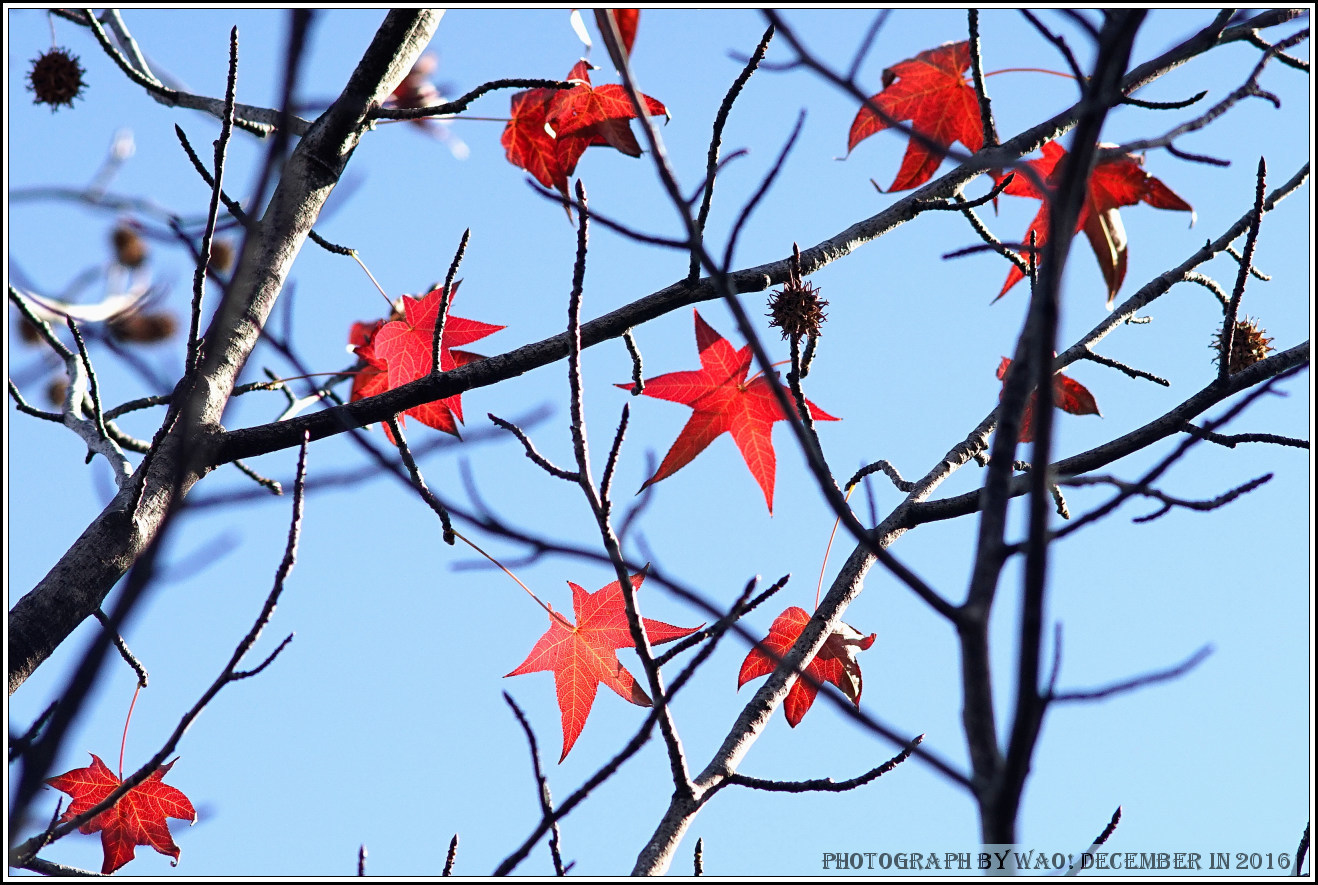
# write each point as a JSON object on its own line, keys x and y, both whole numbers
{"x": 553, "y": 614}
{"x": 1029, "y": 71}
{"x": 831, "y": 535}
{"x": 357, "y": 258}
{"x": 752, "y": 378}
{"x": 124, "y": 742}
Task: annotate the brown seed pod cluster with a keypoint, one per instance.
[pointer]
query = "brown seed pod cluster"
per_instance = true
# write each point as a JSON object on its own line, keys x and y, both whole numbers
{"x": 1248, "y": 346}
{"x": 56, "y": 78}
{"x": 222, "y": 255}
{"x": 143, "y": 328}
{"x": 56, "y": 388}
{"x": 797, "y": 308}
{"x": 129, "y": 248}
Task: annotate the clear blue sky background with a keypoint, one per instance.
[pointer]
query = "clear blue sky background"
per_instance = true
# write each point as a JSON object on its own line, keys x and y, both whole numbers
{"x": 383, "y": 722}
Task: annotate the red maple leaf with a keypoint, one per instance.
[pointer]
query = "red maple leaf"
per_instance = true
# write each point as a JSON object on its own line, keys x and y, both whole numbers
{"x": 373, "y": 377}
{"x": 1116, "y": 181}
{"x": 1069, "y": 395}
{"x": 406, "y": 345}
{"x": 138, "y": 818}
{"x": 931, "y": 91}
{"x": 602, "y": 111}
{"x": 627, "y": 20}
{"x": 724, "y": 402}
{"x": 549, "y": 129}
{"x": 835, "y": 663}
{"x": 584, "y": 656}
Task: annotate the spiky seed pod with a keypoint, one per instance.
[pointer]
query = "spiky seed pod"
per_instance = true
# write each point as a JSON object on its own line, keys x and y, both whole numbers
{"x": 56, "y": 78}
{"x": 143, "y": 328}
{"x": 129, "y": 248}
{"x": 797, "y": 308}
{"x": 1248, "y": 346}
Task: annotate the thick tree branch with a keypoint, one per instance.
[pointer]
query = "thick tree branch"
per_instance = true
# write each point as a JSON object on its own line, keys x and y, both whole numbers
{"x": 75, "y": 587}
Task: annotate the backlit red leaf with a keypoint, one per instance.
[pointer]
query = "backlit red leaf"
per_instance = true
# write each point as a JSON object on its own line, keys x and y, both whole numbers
{"x": 724, "y": 402}
{"x": 1069, "y": 395}
{"x": 627, "y": 20}
{"x": 405, "y": 347}
{"x": 1116, "y": 181}
{"x": 138, "y": 818}
{"x": 835, "y": 663}
{"x": 584, "y": 656}
{"x": 929, "y": 90}
{"x": 373, "y": 376}
{"x": 602, "y": 111}
{"x": 549, "y": 129}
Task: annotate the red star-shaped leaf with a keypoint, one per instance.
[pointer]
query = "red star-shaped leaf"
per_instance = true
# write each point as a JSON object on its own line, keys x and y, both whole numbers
{"x": 1116, "y": 181}
{"x": 931, "y": 91}
{"x": 373, "y": 377}
{"x": 724, "y": 402}
{"x": 603, "y": 111}
{"x": 549, "y": 129}
{"x": 835, "y": 663}
{"x": 138, "y": 818}
{"x": 406, "y": 345}
{"x": 584, "y": 656}
{"x": 550, "y": 160}
{"x": 1069, "y": 395}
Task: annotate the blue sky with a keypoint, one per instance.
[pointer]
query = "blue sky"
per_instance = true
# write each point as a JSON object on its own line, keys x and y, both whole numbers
{"x": 383, "y": 722}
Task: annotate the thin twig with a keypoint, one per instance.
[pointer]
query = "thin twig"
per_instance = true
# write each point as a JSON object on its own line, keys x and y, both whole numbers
{"x": 638, "y": 383}
{"x": 961, "y": 204}
{"x": 436, "y": 348}
{"x": 1211, "y": 285}
{"x": 743, "y": 606}
{"x": 1197, "y": 158}
{"x": 1142, "y": 681}
{"x": 1253, "y": 38}
{"x": 212, "y": 213}
{"x": 991, "y": 241}
{"x": 23, "y": 406}
{"x": 1253, "y": 271}
{"x": 1122, "y": 367}
{"x": 538, "y": 459}
{"x": 542, "y": 784}
{"x": 128, "y": 656}
{"x": 1168, "y": 502}
{"x": 18, "y": 746}
{"x": 258, "y": 121}
{"x": 825, "y": 784}
{"x": 611, "y": 464}
{"x": 426, "y": 495}
{"x": 715, "y": 142}
{"x": 1102, "y": 838}
{"x": 1246, "y": 262}
{"x": 888, "y": 470}
{"x": 452, "y": 856}
{"x": 265, "y": 482}
{"x": 986, "y": 123}
{"x": 1060, "y": 44}
{"x": 93, "y": 389}
{"x": 48, "y": 868}
{"x": 458, "y": 105}
{"x": 1163, "y": 105}
{"x": 1301, "y": 851}
{"x": 1231, "y": 440}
